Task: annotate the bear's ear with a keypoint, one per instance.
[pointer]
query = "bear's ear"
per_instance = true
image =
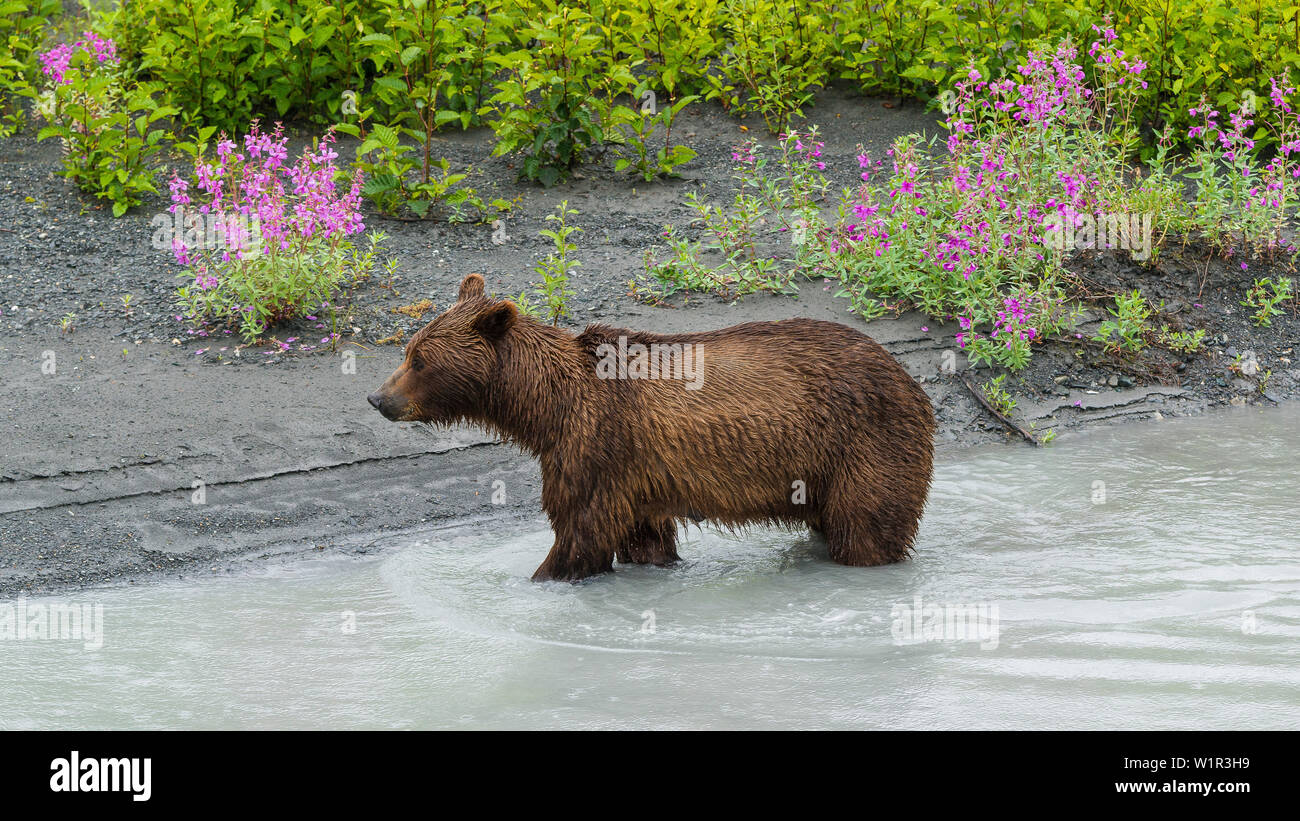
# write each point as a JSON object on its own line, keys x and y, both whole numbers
{"x": 470, "y": 286}
{"x": 494, "y": 320}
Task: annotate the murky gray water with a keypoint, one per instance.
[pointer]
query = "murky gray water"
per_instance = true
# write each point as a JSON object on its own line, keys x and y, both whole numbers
{"x": 1138, "y": 577}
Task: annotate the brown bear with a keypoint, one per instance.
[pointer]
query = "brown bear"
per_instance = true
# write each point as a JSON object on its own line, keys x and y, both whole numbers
{"x": 786, "y": 423}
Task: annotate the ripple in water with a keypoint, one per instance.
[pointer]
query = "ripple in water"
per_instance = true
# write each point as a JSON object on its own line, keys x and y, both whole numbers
{"x": 1182, "y": 531}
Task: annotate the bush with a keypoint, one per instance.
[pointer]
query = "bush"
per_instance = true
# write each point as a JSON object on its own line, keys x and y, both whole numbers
{"x": 417, "y": 46}
{"x": 107, "y": 126}
{"x": 23, "y": 24}
{"x": 267, "y": 240}
{"x": 555, "y": 101}
{"x": 778, "y": 55}
{"x": 223, "y": 61}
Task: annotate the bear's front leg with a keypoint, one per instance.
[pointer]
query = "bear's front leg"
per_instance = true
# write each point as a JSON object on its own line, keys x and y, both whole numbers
{"x": 583, "y": 547}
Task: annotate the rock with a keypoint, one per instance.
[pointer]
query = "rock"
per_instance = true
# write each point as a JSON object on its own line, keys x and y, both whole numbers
{"x": 1243, "y": 386}
{"x": 1113, "y": 381}
{"x": 1125, "y": 381}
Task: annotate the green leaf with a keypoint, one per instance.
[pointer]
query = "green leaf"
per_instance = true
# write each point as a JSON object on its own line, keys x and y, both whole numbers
{"x": 410, "y": 54}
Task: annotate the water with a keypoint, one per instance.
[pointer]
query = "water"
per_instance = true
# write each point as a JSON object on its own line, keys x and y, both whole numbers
{"x": 1166, "y": 597}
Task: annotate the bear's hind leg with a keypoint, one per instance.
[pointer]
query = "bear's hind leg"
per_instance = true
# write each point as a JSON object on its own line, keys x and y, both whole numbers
{"x": 867, "y": 537}
{"x": 650, "y": 543}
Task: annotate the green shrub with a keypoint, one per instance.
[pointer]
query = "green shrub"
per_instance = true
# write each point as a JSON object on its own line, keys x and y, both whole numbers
{"x": 777, "y": 55}
{"x": 23, "y": 24}
{"x": 224, "y": 61}
{"x": 554, "y": 101}
{"x": 1126, "y": 330}
{"x": 637, "y": 155}
{"x": 415, "y": 52}
{"x": 1265, "y": 295}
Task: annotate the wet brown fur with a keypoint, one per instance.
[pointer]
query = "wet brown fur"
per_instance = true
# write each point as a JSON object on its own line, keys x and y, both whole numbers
{"x": 625, "y": 460}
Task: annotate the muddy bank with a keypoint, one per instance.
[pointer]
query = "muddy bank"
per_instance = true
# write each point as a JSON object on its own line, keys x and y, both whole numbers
{"x": 133, "y": 448}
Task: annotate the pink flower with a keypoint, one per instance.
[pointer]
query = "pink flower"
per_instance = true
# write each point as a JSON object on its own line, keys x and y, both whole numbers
{"x": 56, "y": 62}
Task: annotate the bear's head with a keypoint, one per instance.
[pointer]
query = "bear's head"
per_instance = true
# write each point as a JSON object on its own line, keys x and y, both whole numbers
{"x": 449, "y": 362}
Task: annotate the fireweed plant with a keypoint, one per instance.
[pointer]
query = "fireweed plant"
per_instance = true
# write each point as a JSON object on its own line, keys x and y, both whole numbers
{"x": 278, "y": 247}
{"x": 776, "y": 203}
{"x": 1126, "y": 329}
{"x": 1240, "y": 207}
{"x": 1038, "y": 168}
{"x": 1264, "y": 295}
{"x": 106, "y": 125}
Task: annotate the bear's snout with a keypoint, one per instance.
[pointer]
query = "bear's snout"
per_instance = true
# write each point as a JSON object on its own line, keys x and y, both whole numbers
{"x": 385, "y": 404}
